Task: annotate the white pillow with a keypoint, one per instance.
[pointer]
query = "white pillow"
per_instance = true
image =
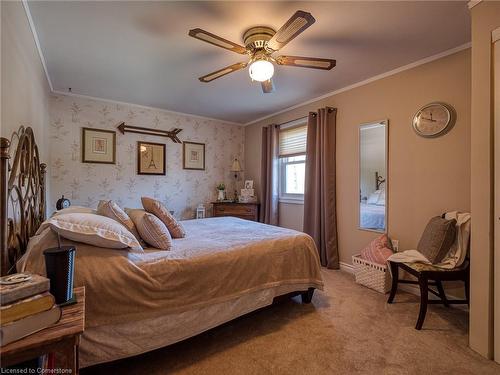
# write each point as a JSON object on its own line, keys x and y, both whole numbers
{"x": 373, "y": 198}
{"x": 75, "y": 210}
{"x": 95, "y": 230}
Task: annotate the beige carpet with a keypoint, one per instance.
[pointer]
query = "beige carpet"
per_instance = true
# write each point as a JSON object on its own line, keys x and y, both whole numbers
{"x": 348, "y": 329}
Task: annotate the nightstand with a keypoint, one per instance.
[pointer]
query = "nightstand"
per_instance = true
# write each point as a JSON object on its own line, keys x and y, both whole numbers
{"x": 61, "y": 338}
{"x": 248, "y": 211}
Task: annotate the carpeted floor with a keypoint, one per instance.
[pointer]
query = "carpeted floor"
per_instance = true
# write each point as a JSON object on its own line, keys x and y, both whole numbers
{"x": 348, "y": 329}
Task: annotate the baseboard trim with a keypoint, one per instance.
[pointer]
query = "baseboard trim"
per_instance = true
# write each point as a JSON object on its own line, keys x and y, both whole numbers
{"x": 412, "y": 289}
{"x": 347, "y": 267}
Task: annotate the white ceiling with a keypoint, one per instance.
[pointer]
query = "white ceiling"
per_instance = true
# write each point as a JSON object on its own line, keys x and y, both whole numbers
{"x": 140, "y": 52}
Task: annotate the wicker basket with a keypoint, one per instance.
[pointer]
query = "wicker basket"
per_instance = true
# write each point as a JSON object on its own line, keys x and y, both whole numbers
{"x": 372, "y": 275}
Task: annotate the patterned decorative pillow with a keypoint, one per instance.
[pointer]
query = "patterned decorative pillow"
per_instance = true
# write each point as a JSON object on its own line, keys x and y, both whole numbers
{"x": 378, "y": 250}
{"x": 158, "y": 209}
{"x": 151, "y": 229}
{"x": 437, "y": 239}
{"x": 95, "y": 230}
{"x": 113, "y": 211}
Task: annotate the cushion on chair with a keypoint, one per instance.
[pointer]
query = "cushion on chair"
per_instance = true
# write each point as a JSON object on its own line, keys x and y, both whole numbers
{"x": 378, "y": 250}
{"x": 437, "y": 239}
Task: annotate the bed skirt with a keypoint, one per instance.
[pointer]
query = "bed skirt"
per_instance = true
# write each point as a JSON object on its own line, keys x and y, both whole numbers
{"x": 116, "y": 341}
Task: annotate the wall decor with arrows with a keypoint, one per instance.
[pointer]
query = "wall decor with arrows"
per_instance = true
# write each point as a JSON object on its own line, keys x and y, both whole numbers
{"x": 172, "y": 134}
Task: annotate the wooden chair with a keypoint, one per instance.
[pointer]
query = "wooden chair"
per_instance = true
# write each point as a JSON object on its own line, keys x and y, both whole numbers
{"x": 428, "y": 275}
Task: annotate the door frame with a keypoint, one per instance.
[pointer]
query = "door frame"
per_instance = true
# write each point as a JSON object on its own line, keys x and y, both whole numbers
{"x": 495, "y": 39}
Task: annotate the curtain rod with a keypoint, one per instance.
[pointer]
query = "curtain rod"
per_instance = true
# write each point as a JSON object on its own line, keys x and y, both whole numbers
{"x": 292, "y": 122}
{"x": 289, "y": 123}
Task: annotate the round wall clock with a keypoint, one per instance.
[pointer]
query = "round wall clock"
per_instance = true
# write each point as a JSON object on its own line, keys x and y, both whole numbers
{"x": 434, "y": 120}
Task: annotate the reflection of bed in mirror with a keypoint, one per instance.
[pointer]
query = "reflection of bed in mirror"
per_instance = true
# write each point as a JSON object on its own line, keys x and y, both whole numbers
{"x": 373, "y": 176}
{"x": 372, "y": 216}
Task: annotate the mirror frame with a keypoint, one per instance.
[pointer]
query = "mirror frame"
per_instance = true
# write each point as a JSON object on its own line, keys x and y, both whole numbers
{"x": 386, "y": 221}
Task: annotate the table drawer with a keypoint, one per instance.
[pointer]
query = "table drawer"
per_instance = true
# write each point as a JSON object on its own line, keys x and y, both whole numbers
{"x": 235, "y": 210}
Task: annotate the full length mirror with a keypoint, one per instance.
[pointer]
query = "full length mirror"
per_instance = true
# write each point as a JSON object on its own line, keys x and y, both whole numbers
{"x": 373, "y": 139}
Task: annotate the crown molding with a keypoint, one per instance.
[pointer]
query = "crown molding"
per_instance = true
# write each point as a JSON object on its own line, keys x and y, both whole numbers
{"x": 58, "y": 92}
{"x": 37, "y": 42}
{"x": 369, "y": 80}
{"x": 471, "y": 4}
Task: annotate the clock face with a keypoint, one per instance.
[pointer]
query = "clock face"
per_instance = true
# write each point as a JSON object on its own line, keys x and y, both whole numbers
{"x": 433, "y": 120}
{"x": 62, "y": 203}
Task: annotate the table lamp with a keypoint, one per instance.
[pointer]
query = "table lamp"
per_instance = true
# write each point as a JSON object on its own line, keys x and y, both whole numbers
{"x": 236, "y": 168}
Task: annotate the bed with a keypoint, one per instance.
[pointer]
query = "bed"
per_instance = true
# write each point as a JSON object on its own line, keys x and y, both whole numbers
{"x": 137, "y": 302}
{"x": 372, "y": 216}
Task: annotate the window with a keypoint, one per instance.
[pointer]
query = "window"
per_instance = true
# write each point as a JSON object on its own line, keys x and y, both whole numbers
{"x": 292, "y": 163}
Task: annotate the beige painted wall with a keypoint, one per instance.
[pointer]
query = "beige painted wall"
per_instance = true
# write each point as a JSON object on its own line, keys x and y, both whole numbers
{"x": 426, "y": 176}
{"x": 25, "y": 90}
{"x": 485, "y": 18}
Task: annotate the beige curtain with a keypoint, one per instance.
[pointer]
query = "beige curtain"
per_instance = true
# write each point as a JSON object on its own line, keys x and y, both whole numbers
{"x": 269, "y": 175}
{"x": 320, "y": 212}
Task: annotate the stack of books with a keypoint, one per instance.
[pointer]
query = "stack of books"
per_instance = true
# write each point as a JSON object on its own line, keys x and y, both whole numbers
{"x": 26, "y": 307}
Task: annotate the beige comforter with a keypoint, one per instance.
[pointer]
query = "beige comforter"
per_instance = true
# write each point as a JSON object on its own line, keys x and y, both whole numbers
{"x": 218, "y": 260}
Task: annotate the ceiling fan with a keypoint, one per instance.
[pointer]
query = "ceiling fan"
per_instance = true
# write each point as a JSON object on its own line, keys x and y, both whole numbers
{"x": 261, "y": 42}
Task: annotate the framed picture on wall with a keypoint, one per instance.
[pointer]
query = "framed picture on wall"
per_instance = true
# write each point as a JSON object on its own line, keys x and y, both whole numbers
{"x": 193, "y": 155}
{"x": 151, "y": 158}
{"x": 98, "y": 146}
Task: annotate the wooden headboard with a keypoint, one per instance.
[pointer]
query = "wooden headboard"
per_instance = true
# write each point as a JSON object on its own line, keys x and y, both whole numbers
{"x": 22, "y": 195}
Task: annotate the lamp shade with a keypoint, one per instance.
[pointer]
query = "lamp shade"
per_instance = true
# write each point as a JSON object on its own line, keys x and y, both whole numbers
{"x": 236, "y": 167}
{"x": 261, "y": 70}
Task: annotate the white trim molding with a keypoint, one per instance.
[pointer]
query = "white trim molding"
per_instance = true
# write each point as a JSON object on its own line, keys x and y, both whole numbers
{"x": 291, "y": 201}
{"x": 409, "y": 288}
{"x": 346, "y": 267}
{"x": 471, "y": 4}
{"x": 37, "y": 42}
{"x": 58, "y": 92}
{"x": 369, "y": 80}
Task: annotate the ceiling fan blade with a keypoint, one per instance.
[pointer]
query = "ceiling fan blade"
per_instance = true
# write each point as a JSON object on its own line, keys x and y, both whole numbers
{"x": 306, "y": 62}
{"x": 222, "y": 72}
{"x": 267, "y": 86}
{"x": 294, "y": 26}
{"x": 217, "y": 41}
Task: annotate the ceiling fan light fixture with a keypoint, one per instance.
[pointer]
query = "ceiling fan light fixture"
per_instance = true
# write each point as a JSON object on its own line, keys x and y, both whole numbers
{"x": 261, "y": 70}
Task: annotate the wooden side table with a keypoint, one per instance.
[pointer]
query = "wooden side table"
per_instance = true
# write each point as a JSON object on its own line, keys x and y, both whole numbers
{"x": 61, "y": 338}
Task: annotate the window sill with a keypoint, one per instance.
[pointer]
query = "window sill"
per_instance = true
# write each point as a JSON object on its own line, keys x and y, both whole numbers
{"x": 291, "y": 201}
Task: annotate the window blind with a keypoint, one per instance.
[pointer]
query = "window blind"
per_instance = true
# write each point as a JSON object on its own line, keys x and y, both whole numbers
{"x": 292, "y": 141}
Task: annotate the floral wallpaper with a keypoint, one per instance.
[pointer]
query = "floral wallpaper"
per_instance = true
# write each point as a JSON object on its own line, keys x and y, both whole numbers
{"x": 180, "y": 190}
